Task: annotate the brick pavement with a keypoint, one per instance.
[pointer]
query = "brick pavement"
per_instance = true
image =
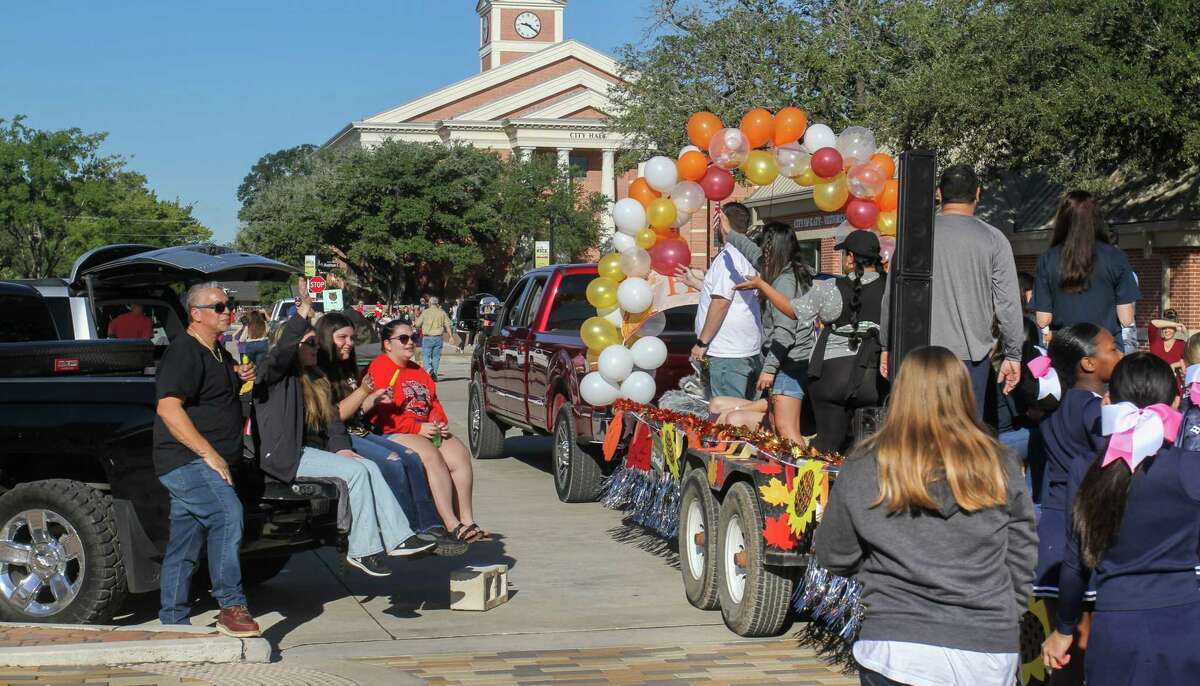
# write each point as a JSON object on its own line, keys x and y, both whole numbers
{"x": 21, "y": 636}
{"x": 92, "y": 676}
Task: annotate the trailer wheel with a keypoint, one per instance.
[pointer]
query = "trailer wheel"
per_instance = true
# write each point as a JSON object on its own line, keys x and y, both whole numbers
{"x": 485, "y": 434}
{"x": 698, "y": 511}
{"x": 577, "y": 474}
{"x": 754, "y": 597}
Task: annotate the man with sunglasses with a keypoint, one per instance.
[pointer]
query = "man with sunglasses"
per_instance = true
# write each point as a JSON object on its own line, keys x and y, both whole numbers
{"x": 197, "y": 434}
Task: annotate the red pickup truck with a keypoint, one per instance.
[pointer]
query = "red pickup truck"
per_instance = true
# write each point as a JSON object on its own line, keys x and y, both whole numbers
{"x": 526, "y": 370}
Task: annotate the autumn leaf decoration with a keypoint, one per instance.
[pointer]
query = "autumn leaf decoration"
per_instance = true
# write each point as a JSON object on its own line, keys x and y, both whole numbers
{"x": 777, "y": 533}
{"x": 775, "y": 493}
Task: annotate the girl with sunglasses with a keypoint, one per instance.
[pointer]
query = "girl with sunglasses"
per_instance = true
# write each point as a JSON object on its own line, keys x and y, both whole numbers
{"x": 416, "y": 420}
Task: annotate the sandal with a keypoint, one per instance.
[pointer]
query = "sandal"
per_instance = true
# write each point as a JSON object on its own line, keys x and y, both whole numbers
{"x": 474, "y": 530}
{"x": 467, "y": 534}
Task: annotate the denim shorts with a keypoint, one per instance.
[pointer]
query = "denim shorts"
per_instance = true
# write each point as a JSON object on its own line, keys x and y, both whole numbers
{"x": 790, "y": 383}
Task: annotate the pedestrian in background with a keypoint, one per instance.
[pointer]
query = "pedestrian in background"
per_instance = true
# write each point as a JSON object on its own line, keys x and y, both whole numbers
{"x": 1168, "y": 338}
{"x": 934, "y": 519}
{"x": 197, "y": 435}
{"x": 434, "y": 325}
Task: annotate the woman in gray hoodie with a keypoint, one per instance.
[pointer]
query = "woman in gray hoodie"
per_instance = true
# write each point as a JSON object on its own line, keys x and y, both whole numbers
{"x": 933, "y": 517}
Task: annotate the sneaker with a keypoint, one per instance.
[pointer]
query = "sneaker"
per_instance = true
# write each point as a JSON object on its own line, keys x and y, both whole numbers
{"x": 446, "y": 545}
{"x": 371, "y": 564}
{"x": 413, "y": 545}
{"x": 236, "y": 621}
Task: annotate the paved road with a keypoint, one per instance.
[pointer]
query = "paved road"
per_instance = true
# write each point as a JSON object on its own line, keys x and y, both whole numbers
{"x": 578, "y": 581}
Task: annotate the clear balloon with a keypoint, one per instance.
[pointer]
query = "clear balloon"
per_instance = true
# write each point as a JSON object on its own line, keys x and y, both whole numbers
{"x": 595, "y": 390}
{"x": 856, "y": 143}
{"x": 807, "y": 177}
{"x": 717, "y": 184}
{"x": 602, "y": 292}
{"x": 866, "y": 180}
{"x": 623, "y": 243}
{"x": 598, "y": 333}
{"x": 681, "y": 220}
{"x": 661, "y": 213}
{"x": 609, "y": 266}
{"x": 649, "y": 353}
{"x": 827, "y": 163}
{"x": 668, "y": 254}
{"x": 638, "y": 387}
{"x": 650, "y": 324}
{"x": 861, "y": 214}
{"x": 660, "y": 172}
{"x": 615, "y": 363}
{"x": 760, "y": 168}
{"x": 629, "y": 216}
{"x": 635, "y": 263}
{"x": 634, "y": 295}
{"x": 688, "y": 196}
{"x": 819, "y": 136}
{"x": 887, "y": 248}
{"x": 886, "y": 224}
{"x": 613, "y": 315}
{"x": 830, "y": 195}
{"x": 729, "y": 148}
{"x": 791, "y": 159}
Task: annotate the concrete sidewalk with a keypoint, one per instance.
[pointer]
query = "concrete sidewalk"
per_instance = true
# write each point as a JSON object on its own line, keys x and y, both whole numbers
{"x": 78, "y": 645}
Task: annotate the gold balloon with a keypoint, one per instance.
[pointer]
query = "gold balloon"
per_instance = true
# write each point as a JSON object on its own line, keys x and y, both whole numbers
{"x": 807, "y": 177}
{"x": 831, "y": 195}
{"x": 602, "y": 292}
{"x": 661, "y": 213}
{"x": 886, "y": 223}
{"x": 598, "y": 334}
{"x": 645, "y": 238}
{"x": 760, "y": 167}
{"x": 609, "y": 267}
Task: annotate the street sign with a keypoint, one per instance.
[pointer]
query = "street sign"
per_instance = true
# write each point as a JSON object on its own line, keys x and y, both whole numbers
{"x": 316, "y": 284}
{"x": 333, "y": 299}
{"x": 310, "y": 265}
{"x": 541, "y": 253}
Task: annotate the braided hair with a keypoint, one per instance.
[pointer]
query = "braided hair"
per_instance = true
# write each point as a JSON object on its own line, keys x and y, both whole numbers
{"x": 860, "y": 265}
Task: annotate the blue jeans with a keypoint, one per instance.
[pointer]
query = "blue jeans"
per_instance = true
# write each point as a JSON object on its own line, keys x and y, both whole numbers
{"x": 431, "y": 353}
{"x": 733, "y": 376}
{"x": 981, "y": 375}
{"x": 379, "y": 523}
{"x": 203, "y": 507}
{"x": 405, "y": 475}
{"x": 790, "y": 383}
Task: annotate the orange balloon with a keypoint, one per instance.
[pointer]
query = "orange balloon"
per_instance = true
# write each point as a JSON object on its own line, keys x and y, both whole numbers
{"x": 641, "y": 191}
{"x": 790, "y": 125}
{"x": 701, "y": 127}
{"x": 667, "y": 232}
{"x": 889, "y": 199}
{"x": 886, "y": 163}
{"x": 759, "y": 127}
{"x": 692, "y": 165}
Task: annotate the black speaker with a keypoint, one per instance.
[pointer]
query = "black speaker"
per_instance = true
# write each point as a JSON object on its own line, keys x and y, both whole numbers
{"x": 911, "y": 269}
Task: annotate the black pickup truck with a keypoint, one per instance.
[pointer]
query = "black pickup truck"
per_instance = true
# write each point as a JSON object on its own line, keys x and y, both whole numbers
{"x": 83, "y": 518}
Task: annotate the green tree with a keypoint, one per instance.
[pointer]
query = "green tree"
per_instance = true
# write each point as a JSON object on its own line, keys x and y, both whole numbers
{"x": 295, "y": 161}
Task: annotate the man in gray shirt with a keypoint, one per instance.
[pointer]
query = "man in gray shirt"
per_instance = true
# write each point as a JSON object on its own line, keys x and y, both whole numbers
{"x": 974, "y": 284}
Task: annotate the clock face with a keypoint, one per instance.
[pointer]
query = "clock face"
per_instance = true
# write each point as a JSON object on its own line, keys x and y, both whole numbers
{"x": 528, "y": 25}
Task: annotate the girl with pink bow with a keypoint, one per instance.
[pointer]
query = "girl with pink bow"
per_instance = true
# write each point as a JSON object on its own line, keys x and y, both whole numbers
{"x": 1134, "y": 527}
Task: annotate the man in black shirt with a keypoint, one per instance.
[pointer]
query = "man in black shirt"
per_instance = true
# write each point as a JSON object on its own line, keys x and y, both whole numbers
{"x": 196, "y": 435}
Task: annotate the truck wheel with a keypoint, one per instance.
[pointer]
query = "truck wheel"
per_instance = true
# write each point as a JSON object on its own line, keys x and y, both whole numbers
{"x": 60, "y": 559}
{"x": 486, "y": 435}
{"x": 577, "y": 475}
{"x": 754, "y": 597}
{"x": 698, "y": 511}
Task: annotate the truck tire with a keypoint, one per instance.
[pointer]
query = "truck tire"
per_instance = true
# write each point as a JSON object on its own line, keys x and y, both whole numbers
{"x": 577, "y": 474}
{"x": 60, "y": 558}
{"x": 698, "y": 512}
{"x": 754, "y": 597}
{"x": 485, "y": 434}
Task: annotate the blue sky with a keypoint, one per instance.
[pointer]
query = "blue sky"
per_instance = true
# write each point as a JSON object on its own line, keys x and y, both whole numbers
{"x": 194, "y": 92}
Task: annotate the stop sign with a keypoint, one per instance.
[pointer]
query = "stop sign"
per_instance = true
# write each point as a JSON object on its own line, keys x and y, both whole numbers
{"x": 316, "y": 284}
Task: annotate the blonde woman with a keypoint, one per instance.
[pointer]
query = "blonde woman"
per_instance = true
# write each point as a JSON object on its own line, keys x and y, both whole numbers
{"x": 936, "y": 522}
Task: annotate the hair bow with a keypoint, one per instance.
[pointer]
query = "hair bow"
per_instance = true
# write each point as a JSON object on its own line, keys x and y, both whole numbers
{"x": 1137, "y": 433}
{"x": 1043, "y": 370}
{"x": 1191, "y": 381}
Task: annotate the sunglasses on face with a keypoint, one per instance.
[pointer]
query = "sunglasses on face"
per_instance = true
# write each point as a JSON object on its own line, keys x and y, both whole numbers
{"x": 310, "y": 342}
{"x": 403, "y": 338}
{"x": 219, "y": 308}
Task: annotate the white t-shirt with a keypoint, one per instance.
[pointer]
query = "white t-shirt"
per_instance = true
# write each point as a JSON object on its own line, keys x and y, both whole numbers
{"x": 925, "y": 665}
{"x": 740, "y": 334}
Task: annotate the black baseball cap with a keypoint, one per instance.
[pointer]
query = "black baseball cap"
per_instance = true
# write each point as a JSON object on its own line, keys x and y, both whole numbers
{"x": 860, "y": 242}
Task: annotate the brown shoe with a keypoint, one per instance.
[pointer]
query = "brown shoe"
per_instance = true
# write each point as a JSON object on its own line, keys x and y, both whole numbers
{"x": 236, "y": 621}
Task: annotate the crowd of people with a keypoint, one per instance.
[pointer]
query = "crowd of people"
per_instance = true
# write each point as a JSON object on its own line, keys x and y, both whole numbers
{"x": 1029, "y": 451}
{"x": 382, "y": 438}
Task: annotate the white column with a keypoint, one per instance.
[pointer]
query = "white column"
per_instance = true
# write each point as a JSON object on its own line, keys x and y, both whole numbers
{"x": 525, "y": 153}
{"x": 564, "y": 159}
{"x": 608, "y": 186}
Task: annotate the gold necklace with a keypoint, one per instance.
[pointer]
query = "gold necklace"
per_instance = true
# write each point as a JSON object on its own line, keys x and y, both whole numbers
{"x": 216, "y": 355}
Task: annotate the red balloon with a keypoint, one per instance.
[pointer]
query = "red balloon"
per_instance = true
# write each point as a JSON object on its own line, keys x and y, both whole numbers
{"x": 861, "y": 214}
{"x": 826, "y": 163}
{"x": 668, "y": 254}
{"x": 717, "y": 183}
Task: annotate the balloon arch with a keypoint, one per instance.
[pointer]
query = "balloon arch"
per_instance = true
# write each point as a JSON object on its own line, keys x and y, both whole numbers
{"x": 846, "y": 172}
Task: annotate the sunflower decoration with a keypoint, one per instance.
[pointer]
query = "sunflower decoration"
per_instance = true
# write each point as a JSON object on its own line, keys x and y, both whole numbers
{"x": 1035, "y": 628}
{"x": 810, "y": 491}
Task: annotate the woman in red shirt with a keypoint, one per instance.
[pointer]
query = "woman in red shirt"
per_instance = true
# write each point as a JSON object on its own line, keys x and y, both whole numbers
{"x": 1165, "y": 340}
{"x": 415, "y": 419}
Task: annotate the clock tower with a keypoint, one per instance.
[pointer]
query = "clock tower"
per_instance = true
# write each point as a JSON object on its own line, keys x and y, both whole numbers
{"x": 512, "y": 29}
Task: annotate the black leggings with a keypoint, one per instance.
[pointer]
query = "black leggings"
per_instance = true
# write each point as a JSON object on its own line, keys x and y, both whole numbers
{"x": 868, "y": 678}
{"x": 832, "y": 412}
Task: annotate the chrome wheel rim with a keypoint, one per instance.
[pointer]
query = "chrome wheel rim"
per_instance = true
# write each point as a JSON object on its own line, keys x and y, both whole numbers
{"x": 694, "y": 529}
{"x": 476, "y": 418}
{"x": 734, "y": 542}
{"x": 562, "y": 454}
{"x": 41, "y": 562}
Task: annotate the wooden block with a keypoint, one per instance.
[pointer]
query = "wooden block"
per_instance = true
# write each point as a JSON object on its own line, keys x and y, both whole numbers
{"x": 479, "y": 588}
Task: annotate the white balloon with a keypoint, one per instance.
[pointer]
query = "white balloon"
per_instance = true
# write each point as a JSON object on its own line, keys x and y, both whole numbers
{"x": 596, "y": 391}
{"x": 819, "y": 136}
{"x": 629, "y": 216}
{"x": 638, "y": 387}
{"x": 687, "y": 149}
{"x": 623, "y": 243}
{"x": 613, "y": 315}
{"x": 635, "y": 263}
{"x": 661, "y": 173}
{"x": 649, "y": 353}
{"x": 688, "y": 196}
{"x": 634, "y": 294}
{"x": 615, "y": 363}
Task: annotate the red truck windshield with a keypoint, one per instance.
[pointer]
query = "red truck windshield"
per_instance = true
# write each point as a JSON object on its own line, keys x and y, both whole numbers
{"x": 571, "y": 308}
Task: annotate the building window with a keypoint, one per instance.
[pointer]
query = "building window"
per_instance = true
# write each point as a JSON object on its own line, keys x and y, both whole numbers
{"x": 579, "y": 166}
{"x": 810, "y": 252}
